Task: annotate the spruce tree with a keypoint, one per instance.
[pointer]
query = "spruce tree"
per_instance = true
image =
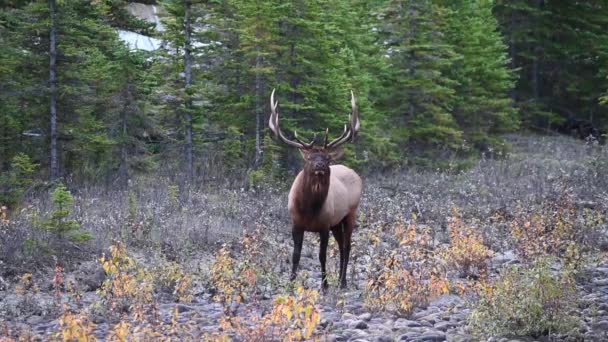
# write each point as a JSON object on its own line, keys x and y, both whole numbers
{"x": 421, "y": 92}
{"x": 482, "y": 107}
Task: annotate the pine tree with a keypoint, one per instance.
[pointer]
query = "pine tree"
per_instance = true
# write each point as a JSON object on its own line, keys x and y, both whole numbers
{"x": 559, "y": 49}
{"x": 421, "y": 93}
{"x": 187, "y": 55}
{"x": 482, "y": 106}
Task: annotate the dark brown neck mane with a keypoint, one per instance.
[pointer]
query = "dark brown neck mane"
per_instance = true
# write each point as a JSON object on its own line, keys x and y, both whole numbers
{"x": 314, "y": 192}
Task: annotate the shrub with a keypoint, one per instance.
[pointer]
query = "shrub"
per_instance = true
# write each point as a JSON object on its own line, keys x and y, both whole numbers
{"x": 171, "y": 277}
{"x": 557, "y": 230}
{"x": 233, "y": 281}
{"x": 525, "y": 301}
{"x": 247, "y": 274}
{"x": 127, "y": 287}
{"x": 466, "y": 251}
{"x": 27, "y": 289}
{"x": 409, "y": 276}
{"x": 4, "y": 221}
{"x": 75, "y": 327}
{"x": 292, "y": 318}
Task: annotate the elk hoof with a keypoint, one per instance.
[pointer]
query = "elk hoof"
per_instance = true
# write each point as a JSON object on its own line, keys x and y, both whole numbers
{"x": 324, "y": 287}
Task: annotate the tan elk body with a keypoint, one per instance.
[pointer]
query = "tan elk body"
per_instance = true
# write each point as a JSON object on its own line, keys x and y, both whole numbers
{"x": 342, "y": 198}
{"x": 323, "y": 197}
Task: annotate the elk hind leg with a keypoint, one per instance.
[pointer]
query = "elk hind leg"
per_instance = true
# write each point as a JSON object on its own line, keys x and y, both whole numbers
{"x": 298, "y": 238}
{"x": 349, "y": 226}
{"x": 338, "y": 233}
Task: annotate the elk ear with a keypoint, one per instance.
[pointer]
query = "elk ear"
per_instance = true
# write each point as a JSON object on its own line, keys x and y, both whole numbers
{"x": 303, "y": 153}
{"x": 336, "y": 153}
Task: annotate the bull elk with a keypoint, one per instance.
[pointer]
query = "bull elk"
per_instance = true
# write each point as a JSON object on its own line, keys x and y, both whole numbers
{"x": 322, "y": 198}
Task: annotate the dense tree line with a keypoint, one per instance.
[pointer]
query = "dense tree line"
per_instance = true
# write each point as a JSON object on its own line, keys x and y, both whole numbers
{"x": 435, "y": 80}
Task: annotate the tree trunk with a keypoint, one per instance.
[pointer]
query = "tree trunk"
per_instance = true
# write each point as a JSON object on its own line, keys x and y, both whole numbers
{"x": 536, "y": 63}
{"x": 124, "y": 170}
{"x": 54, "y": 170}
{"x": 188, "y": 104}
{"x": 258, "y": 109}
{"x": 512, "y": 55}
{"x": 412, "y": 57}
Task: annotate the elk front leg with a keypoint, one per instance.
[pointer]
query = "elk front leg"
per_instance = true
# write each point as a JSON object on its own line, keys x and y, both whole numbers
{"x": 347, "y": 242}
{"x": 298, "y": 237}
{"x": 323, "y": 257}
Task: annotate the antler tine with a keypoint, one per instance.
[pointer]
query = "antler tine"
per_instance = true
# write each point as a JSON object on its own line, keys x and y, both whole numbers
{"x": 306, "y": 145}
{"x": 350, "y": 130}
{"x": 342, "y": 136}
{"x": 356, "y": 124}
{"x": 273, "y": 123}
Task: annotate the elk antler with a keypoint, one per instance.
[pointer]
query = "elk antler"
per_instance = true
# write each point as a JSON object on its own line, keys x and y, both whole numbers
{"x": 273, "y": 123}
{"x": 350, "y": 130}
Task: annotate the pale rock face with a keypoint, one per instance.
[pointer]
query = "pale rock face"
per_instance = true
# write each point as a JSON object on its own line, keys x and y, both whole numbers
{"x": 146, "y": 12}
{"x": 136, "y": 41}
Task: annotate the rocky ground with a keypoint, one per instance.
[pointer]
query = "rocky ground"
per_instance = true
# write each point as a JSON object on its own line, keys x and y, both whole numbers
{"x": 537, "y": 171}
{"x": 444, "y": 319}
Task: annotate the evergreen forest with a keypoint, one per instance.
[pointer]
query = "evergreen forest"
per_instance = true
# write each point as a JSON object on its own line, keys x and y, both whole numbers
{"x": 436, "y": 83}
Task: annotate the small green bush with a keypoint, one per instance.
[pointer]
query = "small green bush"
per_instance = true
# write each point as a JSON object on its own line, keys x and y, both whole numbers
{"x": 527, "y": 301}
{"x": 59, "y": 222}
{"x": 14, "y": 182}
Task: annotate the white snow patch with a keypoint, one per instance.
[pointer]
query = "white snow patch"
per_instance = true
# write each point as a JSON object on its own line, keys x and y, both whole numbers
{"x": 139, "y": 41}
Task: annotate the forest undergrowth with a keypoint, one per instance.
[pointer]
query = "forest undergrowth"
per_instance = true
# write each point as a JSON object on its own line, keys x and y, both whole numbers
{"x": 514, "y": 238}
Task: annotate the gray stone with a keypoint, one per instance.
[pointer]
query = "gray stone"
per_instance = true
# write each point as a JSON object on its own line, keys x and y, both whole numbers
{"x": 404, "y": 323}
{"x": 432, "y": 336}
{"x": 365, "y": 316}
{"x": 600, "y": 326}
{"x": 601, "y": 282}
{"x": 332, "y": 338}
{"x": 603, "y": 270}
{"x": 342, "y": 324}
{"x": 432, "y": 318}
{"x": 4, "y": 285}
{"x": 444, "y": 326}
{"x": 459, "y": 338}
{"x": 507, "y": 258}
{"x": 447, "y": 300}
{"x": 355, "y": 334}
{"x": 33, "y": 320}
{"x": 458, "y": 317}
{"x": 325, "y": 323}
{"x": 181, "y": 308}
{"x": 384, "y": 339}
{"x": 431, "y": 310}
{"x": 408, "y": 336}
{"x": 347, "y": 315}
{"x": 358, "y": 324}
{"x": 90, "y": 275}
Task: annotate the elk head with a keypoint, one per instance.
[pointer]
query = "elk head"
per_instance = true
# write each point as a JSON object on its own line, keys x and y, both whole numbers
{"x": 317, "y": 158}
